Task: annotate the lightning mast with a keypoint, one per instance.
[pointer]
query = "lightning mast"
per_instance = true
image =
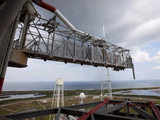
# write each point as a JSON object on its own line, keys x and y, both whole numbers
{"x": 58, "y": 96}
{"x": 59, "y": 93}
{"x": 106, "y": 84}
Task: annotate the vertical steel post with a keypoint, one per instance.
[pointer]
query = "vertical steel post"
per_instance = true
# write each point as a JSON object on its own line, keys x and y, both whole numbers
{"x": 24, "y": 32}
{"x": 52, "y": 45}
{"x": 8, "y": 14}
{"x": 58, "y": 114}
{"x": 127, "y": 106}
{"x": 11, "y": 34}
{"x": 62, "y": 96}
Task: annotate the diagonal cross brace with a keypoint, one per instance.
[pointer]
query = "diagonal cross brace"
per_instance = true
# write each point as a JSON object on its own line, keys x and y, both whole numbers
{"x": 92, "y": 111}
{"x": 142, "y": 112}
{"x": 155, "y": 110}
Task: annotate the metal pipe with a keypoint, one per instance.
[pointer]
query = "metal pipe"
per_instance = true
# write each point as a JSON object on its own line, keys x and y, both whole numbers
{"x": 46, "y": 6}
{"x": 64, "y": 20}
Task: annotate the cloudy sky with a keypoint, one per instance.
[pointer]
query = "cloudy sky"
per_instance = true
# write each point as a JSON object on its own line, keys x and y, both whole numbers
{"x": 134, "y": 24}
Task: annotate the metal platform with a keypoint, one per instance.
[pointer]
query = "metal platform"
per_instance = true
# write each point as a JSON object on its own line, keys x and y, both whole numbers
{"x": 110, "y": 110}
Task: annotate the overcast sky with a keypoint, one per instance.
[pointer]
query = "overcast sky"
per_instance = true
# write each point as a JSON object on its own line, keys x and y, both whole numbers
{"x": 134, "y": 24}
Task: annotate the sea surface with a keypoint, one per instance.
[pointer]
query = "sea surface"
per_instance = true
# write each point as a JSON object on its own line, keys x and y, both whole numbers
{"x": 25, "y": 86}
{"x": 151, "y": 92}
{"x": 22, "y": 96}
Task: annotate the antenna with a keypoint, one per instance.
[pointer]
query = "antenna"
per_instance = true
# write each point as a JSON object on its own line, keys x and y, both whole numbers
{"x": 101, "y": 96}
{"x": 104, "y": 33}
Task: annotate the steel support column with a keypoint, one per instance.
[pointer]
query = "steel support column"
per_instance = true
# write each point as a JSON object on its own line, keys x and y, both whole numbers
{"x": 8, "y": 13}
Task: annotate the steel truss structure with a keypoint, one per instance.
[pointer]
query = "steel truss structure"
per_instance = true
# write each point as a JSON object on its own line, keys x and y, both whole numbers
{"x": 50, "y": 39}
{"x": 120, "y": 110}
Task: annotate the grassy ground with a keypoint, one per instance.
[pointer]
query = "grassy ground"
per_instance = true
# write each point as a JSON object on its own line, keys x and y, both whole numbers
{"x": 48, "y": 93}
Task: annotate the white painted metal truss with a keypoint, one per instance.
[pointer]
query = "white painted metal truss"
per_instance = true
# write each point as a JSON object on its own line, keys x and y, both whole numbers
{"x": 50, "y": 39}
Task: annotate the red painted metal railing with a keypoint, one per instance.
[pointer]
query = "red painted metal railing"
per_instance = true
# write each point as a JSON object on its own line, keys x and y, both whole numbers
{"x": 92, "y": 111}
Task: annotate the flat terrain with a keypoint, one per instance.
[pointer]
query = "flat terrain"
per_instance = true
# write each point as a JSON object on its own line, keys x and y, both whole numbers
{"x": 71, "y": 98}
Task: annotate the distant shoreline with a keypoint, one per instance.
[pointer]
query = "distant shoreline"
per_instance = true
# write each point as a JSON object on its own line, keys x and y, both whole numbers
{"x": 48, "y": 94}
{"x": 114, "y": 90}
{"x": 90, "y": 85}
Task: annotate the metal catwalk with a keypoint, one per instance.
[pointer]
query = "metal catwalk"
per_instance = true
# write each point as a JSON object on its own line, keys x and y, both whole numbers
{"x": 51, "y": 39}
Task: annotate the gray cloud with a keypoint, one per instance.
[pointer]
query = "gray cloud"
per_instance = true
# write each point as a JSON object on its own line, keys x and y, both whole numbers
{"x": 121, "y": 18}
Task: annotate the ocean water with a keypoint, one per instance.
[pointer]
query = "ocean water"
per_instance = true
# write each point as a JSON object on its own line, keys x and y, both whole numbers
{"x": 22, "y": 96}
{"x": 24, "y": 86}
{"x": 151, "y": 92}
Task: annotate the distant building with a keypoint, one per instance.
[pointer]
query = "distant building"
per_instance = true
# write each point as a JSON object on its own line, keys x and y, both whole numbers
{"x": 82, "y": 96}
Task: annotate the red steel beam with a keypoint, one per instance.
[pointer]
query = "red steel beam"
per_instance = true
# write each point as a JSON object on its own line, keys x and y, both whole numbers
{"x": 44, "y": 5}
{"x": 1, "y": 84}
{"x": 155, "y": 110}
{"x": 92, "y": 111}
